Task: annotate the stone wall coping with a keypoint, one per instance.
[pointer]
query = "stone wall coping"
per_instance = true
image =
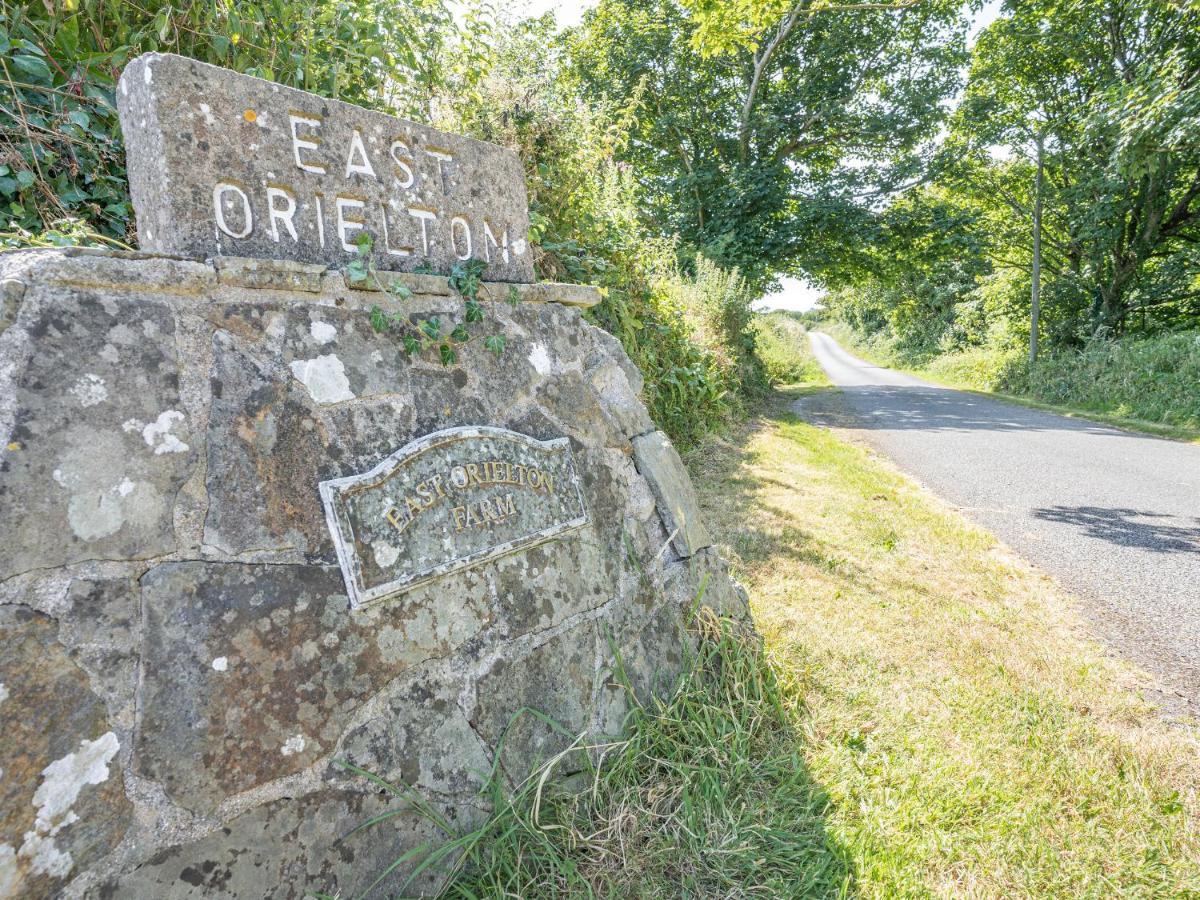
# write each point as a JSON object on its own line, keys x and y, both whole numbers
{"x": 177, "y": 274}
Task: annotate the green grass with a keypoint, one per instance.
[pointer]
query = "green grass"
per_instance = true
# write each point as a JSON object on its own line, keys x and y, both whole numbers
{"x": 708, "y": 797}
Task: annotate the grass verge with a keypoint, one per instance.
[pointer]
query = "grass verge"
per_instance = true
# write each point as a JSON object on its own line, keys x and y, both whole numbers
{"x": 973, "y": 741}
{"x": 925, "y": 716}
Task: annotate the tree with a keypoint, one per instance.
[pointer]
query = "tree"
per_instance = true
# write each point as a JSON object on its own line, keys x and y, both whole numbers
{"x": 1102, "y": 98}
{"x": 764, "y": 142}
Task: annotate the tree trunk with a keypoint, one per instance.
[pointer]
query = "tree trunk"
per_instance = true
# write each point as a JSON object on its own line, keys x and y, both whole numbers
{"x": 1035, "y": 290}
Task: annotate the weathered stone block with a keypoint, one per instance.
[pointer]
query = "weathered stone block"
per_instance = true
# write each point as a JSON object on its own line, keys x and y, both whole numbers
{"x": 290, "y": 849}
{"x": 211, "y": 636}
{"x": 266, "y": 666}
{"x": 98, "y": 441}
{"x": 62, "y": 799}
{"x": 659, "y": 462}
{"x": 222, "y": 164}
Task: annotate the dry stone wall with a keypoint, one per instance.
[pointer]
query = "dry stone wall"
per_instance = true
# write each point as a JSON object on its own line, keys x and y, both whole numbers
{"x": 180, "y": 663}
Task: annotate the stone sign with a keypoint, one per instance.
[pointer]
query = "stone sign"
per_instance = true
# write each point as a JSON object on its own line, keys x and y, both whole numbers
{"x": 222, "y": 164}
{"x": 450, "y": 500}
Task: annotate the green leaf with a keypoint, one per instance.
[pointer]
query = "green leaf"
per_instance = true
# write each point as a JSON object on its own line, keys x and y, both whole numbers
{"x": 447, "y": 354}
{"x": 25, "y": 178}
{"x": 412, "y": 345}
{"x": 34, "y": 68}
{"x": 364, "y": 242}
{"x": 460, "y": 334}
{"x": 357, "y": 270}
{"x": 401, "y": 290}
{"x": 514, "y": 296}
{"x": 80, "y": 118}
{"x": 432, "y": 327}
{"x": 379, "y": 320}
{"x": 8, "y": 186}
{"x": 495, "y": 343}
{"x": 474, "y": 311}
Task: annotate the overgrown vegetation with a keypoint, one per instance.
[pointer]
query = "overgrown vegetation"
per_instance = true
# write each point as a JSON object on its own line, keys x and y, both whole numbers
{"x": 782, "y": 345}
{"x": 683, "y": 320}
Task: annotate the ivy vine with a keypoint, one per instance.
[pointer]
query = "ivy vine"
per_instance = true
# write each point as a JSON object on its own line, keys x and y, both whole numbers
{"x": 465, "y": 279}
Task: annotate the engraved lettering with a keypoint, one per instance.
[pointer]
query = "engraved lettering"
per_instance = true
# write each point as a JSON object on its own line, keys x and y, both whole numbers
{"x": 424, "y": 216}
{"x": 361, "y": 166}
{"x": 404, "y": 164}
{"x": 299, "y": 143}
{"x": 463, "y": 228}
{"x": 222, "y": 188}
{"x": 347, "y": 223}
{"x": 284, "y": 214}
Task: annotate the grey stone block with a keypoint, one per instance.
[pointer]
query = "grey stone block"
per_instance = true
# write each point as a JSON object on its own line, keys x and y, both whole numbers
{"x": 222, "y": 164}
{"x": 659, "y": 463}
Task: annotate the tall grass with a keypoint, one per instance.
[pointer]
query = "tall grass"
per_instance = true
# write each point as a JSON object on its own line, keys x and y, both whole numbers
{"x": 1143, "y": 379}
{"x": 707, "y": 796}
{"x": 781, "y": 342}
{"x": 1153, "y": 379}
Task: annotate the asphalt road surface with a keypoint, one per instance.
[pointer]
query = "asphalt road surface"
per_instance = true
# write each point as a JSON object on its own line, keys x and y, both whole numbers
{"x": 1113, "y": 515}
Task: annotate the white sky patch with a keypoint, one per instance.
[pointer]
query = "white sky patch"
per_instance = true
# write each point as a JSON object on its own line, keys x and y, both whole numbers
{"x": 221, "y": 663}
{"x": 794, "y": 294}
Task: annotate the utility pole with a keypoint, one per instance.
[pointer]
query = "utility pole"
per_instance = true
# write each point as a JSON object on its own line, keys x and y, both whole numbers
{"x": 1035, "y": 291}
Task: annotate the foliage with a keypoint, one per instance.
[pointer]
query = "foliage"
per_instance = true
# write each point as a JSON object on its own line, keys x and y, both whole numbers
{"x": 741, "y": 145}
{"x": 689, "y": 334}
{"x": 61, "y": 156}
{"x": 1150, "y": 379}
{"x": 782, "y": 344}
{"x": 466, "y": 277}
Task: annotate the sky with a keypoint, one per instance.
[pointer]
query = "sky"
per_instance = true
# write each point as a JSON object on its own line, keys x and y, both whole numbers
{"x": 793, "y": 293}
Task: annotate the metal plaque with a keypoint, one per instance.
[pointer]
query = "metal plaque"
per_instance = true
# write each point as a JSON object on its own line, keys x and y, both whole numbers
{"x": 447, "y": 501}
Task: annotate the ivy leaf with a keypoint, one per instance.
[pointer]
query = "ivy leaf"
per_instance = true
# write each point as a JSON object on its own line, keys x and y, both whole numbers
{"x": 80, "y": 118}
{"x": 25, "y": 178}
{"x": 495, "y": 343}
{"x": 432, "y": 327}
{"x": 379, "y": 320}
{"x": 364, "y": 242}
{"x": 412, "y": 344}
{"x": 514, "y": 296}
{"x": 357, "y": 270}
{"x": 401, "y": 290}
{"x": 460, "y": 334}
{"x": 447, "y": 354}
{"x": 474, "y": 311}
{"x": 465, "y": 277}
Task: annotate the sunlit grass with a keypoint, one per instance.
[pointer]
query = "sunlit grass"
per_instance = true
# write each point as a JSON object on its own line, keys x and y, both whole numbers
{"x": 972, "y": 740}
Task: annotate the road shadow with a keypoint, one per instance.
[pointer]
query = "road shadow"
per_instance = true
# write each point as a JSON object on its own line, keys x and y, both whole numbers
{"x": 1128, "y": 527}
{"x": 919, "y": 408}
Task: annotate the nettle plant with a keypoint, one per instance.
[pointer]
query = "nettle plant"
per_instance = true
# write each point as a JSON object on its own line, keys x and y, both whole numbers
{"x": 465, "y": 279}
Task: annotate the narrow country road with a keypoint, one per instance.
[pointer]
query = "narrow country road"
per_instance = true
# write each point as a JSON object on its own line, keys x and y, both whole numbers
{"x": 1113, "y": 515}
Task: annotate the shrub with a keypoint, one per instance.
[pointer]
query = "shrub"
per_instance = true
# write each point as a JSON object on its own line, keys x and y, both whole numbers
{"x": 782, "y": 344}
